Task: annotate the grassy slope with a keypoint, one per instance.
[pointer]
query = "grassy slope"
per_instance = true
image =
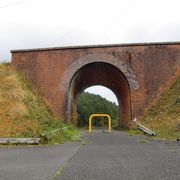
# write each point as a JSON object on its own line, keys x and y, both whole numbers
{"x": 164, "y": 117}
{"x": 23, "y": 113}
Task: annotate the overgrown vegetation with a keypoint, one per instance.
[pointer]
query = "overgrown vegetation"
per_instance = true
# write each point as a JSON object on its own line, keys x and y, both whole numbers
{"x": 164, "y": 117}
{"x": 92, "y": 104}
{"x": 24, "y": 114}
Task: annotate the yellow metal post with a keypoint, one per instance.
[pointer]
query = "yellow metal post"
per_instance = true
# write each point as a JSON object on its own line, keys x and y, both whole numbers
{"x": 90, "y": 124}
{"x": 109, "y": 124}
{"x": 99, "y": 115}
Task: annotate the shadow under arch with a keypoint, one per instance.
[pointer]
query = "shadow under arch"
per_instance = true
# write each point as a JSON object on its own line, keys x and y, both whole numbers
{"x": 105, "y": 74}
{"x": 106, "y": 58}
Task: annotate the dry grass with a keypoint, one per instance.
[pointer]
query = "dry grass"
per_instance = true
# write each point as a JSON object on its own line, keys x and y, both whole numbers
{"x": 164, "y": 117}
{"x": 23, "y": 113}
{"x": 12, "y": 106}
{"x": 11, "y": 96}
{"x": 14, "y": 128}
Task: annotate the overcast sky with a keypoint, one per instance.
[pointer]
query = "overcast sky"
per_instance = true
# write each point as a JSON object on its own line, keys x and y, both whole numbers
{"x": 49, "y": 23}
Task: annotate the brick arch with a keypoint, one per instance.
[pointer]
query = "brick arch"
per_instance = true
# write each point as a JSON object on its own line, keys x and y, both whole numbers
{"x": 118, "y": 67}
{"x": 90, "y": 58}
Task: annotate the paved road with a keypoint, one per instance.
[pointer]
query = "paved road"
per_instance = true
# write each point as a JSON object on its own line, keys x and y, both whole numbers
{"x": 34, "y": 163}
{"x": 106, "y": 156}
{"x": 117, "y": 156}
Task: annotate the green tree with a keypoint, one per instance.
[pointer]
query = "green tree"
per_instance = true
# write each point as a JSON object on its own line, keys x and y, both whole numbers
{"x": 92, "y": 104}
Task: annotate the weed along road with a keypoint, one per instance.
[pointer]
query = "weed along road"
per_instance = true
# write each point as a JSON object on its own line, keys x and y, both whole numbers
{"x": 101, "y": 156}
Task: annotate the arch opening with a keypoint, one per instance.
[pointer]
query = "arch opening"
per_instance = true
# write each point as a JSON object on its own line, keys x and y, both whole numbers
{"x": 97, "y": 100}
{"x": 104, "y": 92}
{"x": 104, "y": 74}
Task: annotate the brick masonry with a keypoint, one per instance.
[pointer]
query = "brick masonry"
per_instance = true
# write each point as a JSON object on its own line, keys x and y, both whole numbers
{"x": 136, "y": 73}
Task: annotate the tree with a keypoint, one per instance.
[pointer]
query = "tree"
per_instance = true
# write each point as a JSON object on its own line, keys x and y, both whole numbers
{"x": 92, "y": 104}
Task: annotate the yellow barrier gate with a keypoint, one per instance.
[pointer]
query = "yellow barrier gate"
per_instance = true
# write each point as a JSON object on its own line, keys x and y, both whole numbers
{"x": 100, "y": 115}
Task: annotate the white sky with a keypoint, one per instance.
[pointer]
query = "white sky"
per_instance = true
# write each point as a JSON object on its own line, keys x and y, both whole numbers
{"x": 104, "y": 92}
{"x": 46, "y": 23}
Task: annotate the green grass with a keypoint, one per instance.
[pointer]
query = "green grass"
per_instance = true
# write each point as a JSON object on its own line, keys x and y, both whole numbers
{"x": 24, "y": 114}
{"x": 164, "y": 117}
{"x": 144, "y": 141}
{"x": 134, "y": 131}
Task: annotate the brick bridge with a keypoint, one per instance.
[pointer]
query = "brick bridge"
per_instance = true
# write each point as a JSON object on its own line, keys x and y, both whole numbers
{"x": 136, "y": 73}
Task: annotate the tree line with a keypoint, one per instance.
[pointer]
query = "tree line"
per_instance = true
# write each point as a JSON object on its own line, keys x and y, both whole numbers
{"x": 94, "y": 104}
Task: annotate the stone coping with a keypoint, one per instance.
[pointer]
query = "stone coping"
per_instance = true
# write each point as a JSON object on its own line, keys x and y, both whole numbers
{"x": 96, "y": 46}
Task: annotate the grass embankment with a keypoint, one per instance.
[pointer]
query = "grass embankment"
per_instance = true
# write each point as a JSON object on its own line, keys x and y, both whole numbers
{"x": 164, "y": 117}
{"x": 24, "y": 114}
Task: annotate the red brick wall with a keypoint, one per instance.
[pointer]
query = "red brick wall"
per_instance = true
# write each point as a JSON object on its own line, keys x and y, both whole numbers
{"x": 147, "y": 68}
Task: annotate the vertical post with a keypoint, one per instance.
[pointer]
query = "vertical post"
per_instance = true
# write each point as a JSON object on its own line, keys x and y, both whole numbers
{"x": 109, "y": 120}
{"x": 90, "y": 124}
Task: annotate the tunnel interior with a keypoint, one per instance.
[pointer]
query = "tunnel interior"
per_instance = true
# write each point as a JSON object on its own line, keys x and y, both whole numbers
{"x": 105, "y": 74}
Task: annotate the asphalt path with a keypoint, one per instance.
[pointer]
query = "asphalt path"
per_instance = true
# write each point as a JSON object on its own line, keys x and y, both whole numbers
{"x": 118, "y": 156}
{"x": 34, "y": 162}
{"x": 104, "y": 156}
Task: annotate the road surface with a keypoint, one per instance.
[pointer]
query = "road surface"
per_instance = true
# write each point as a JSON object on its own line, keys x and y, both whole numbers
{"x": 117, "y": 156}
{"x": 35, "y": 162}
{"x": 105, "y": 156}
